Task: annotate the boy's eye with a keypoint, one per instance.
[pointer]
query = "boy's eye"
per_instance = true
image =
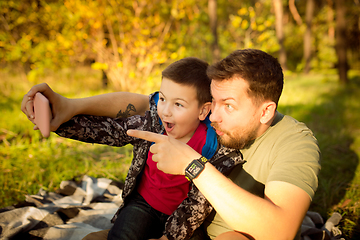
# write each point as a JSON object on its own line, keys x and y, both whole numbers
{"x": 178, "y": 105}
{"x": 161, "y": 99}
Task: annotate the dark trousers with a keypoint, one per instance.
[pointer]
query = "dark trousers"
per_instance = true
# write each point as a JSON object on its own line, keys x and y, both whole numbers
{"x": 137, "y": 220}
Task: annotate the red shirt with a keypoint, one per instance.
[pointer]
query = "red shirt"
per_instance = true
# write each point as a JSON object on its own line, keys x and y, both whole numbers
{"x": 164, "y": 192}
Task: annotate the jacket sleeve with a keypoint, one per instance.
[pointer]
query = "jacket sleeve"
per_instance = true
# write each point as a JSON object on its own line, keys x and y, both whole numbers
{"x": 102, "y": 130}
{"x": 105, "y": 130}
{"x": 189, "y": 215}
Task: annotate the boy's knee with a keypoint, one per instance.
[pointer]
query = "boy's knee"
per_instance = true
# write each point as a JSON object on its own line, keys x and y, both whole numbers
{"x": 232, "y": 236}
{"x": 101, "y": 235}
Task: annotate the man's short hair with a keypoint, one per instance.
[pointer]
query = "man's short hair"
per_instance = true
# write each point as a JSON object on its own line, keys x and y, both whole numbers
{"x": 262, "y": 72}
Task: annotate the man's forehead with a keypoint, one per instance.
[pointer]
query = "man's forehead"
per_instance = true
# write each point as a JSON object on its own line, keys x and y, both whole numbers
{"x": 221, "y": 92}
{"x": 228, "y": 89}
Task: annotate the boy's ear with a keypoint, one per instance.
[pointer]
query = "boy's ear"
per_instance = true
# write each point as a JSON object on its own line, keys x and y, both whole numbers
{"x": 204, "y": 110}
{"x": 268, "y": 112}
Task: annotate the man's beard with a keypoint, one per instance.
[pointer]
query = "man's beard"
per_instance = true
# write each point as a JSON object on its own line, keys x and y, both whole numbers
{"x": 237, "y": 139}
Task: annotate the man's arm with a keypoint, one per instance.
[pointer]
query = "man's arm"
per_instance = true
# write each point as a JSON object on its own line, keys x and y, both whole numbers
{"x": 117, "y": 104}
{"x": 277, "y": 216}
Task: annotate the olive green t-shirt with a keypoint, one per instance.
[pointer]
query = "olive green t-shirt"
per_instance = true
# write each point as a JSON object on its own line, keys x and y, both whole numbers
{"x": 287, "y": 151}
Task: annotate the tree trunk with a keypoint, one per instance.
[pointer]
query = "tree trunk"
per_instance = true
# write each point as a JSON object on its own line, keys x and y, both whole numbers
{"x": 307, "y": 36}
{"x": 340, "y": 37}
{"x": 100, "y": 36}
{"x": 330, "y": 20}
{"x": 295, "y": 12}
{"x": 278, "y": 6}
{"x": 212, "y": 5}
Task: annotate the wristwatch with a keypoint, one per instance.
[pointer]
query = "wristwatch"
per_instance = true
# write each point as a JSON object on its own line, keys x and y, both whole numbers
{"x": 195, "y": 168}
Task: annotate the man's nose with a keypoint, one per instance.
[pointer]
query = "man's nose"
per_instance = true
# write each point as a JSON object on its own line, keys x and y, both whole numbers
{"x": 214, "y": 114}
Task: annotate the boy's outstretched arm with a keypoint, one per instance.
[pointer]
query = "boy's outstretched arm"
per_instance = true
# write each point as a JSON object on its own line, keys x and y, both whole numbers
{"x": 117, "y": 104}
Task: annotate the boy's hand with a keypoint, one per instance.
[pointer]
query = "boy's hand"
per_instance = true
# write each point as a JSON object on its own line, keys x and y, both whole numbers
{"x": 172, "y": 156}
{"x": 60, "y": 106}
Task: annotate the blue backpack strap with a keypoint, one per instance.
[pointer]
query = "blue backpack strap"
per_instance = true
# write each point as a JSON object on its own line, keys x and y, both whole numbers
{"x": 156, "y": 99}
{"x": 211, "y": 144}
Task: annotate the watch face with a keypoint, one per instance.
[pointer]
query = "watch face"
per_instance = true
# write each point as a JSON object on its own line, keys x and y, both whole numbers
{"x": 195, "y": 168}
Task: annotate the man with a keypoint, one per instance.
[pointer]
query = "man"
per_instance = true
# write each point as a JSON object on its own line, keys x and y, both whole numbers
{"x": 268, "y": 197}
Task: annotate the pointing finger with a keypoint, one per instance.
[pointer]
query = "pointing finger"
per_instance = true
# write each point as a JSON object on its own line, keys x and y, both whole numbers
{"x": 146, "y": 135}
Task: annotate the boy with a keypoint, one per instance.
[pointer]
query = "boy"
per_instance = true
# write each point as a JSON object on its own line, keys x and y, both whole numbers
{"x": 155, "y": 203}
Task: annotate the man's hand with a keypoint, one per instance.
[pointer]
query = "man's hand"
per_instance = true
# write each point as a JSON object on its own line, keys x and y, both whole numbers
{"x": 172, "y": 156}
{"x": 60, "y": 107}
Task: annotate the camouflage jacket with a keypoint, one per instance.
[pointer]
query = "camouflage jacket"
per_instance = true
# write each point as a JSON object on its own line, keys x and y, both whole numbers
{"x": 191, "y": 213}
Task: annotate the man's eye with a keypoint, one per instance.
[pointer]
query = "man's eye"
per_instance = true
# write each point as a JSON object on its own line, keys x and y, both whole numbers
{"x": 229, "y": 107}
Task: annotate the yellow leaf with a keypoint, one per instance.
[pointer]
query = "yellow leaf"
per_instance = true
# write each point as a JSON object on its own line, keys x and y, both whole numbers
{"x": 244, "y": 24}
{"x": 97, "y": 24}
{"x": 174, "y": 12}
{"x": 145, "y": 31}
{"x": 132, "y": 74}
{"x": 243, "y": 11}
{"x": 157, "y": 19}
{"x": 236, "y": 21}
{"x": 79, "y": 25}
{"x": 267, "y": 23}
{"x": 99, "y": 66}
{"x": 261, "y": 28}
{"x": 251, "y": 12}
{"x": 174, "y": 55}
{"x": 253, "y": 25}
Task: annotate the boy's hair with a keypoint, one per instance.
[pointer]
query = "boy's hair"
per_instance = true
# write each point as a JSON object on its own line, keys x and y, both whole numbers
{"x": 262, "y": 72}
{"x": 191, "y": 71}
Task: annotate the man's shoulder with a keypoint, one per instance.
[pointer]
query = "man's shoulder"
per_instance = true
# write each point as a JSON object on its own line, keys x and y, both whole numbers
{"x": 289, "y": 125}
{"x": 285, "y": 135}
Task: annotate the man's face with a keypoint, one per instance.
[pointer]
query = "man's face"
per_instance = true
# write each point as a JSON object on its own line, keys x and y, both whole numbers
{"x": 233, "y": 115}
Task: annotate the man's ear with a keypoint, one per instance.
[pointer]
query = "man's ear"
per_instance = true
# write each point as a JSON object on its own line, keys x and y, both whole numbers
{"x": 204, "y": 110}
{"x": 268, "y": 112}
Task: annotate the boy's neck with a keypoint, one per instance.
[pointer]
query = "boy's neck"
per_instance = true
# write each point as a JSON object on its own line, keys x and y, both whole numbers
{"x": 187, "y": 139}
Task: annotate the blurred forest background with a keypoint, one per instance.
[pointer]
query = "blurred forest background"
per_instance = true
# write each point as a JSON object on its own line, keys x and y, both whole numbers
{"x": 86, "y": 47}
{"x": 130, "y": 40}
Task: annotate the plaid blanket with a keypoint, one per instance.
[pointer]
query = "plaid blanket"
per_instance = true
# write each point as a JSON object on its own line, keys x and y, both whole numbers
{"x": 75, "y": 210}
{"x": 79, "y": 208}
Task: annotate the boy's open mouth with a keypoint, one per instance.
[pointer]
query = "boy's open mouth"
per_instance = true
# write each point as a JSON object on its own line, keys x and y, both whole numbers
{"x": 169, "y": 126}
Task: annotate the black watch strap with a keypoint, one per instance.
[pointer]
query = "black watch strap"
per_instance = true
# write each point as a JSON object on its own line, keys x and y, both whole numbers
{"x": 195, "y": 168}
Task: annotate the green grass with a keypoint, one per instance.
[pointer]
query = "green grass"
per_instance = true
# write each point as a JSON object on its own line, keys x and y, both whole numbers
{"x": 29, "y": 162}
{"x": 332, "y": 111}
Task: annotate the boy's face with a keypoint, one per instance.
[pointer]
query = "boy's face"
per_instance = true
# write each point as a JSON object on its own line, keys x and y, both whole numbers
{"x": 179, "y": 109}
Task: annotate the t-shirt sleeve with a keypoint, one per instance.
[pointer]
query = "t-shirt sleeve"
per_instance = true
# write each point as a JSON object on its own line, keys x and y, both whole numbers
{"x": 297, "y": 161}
